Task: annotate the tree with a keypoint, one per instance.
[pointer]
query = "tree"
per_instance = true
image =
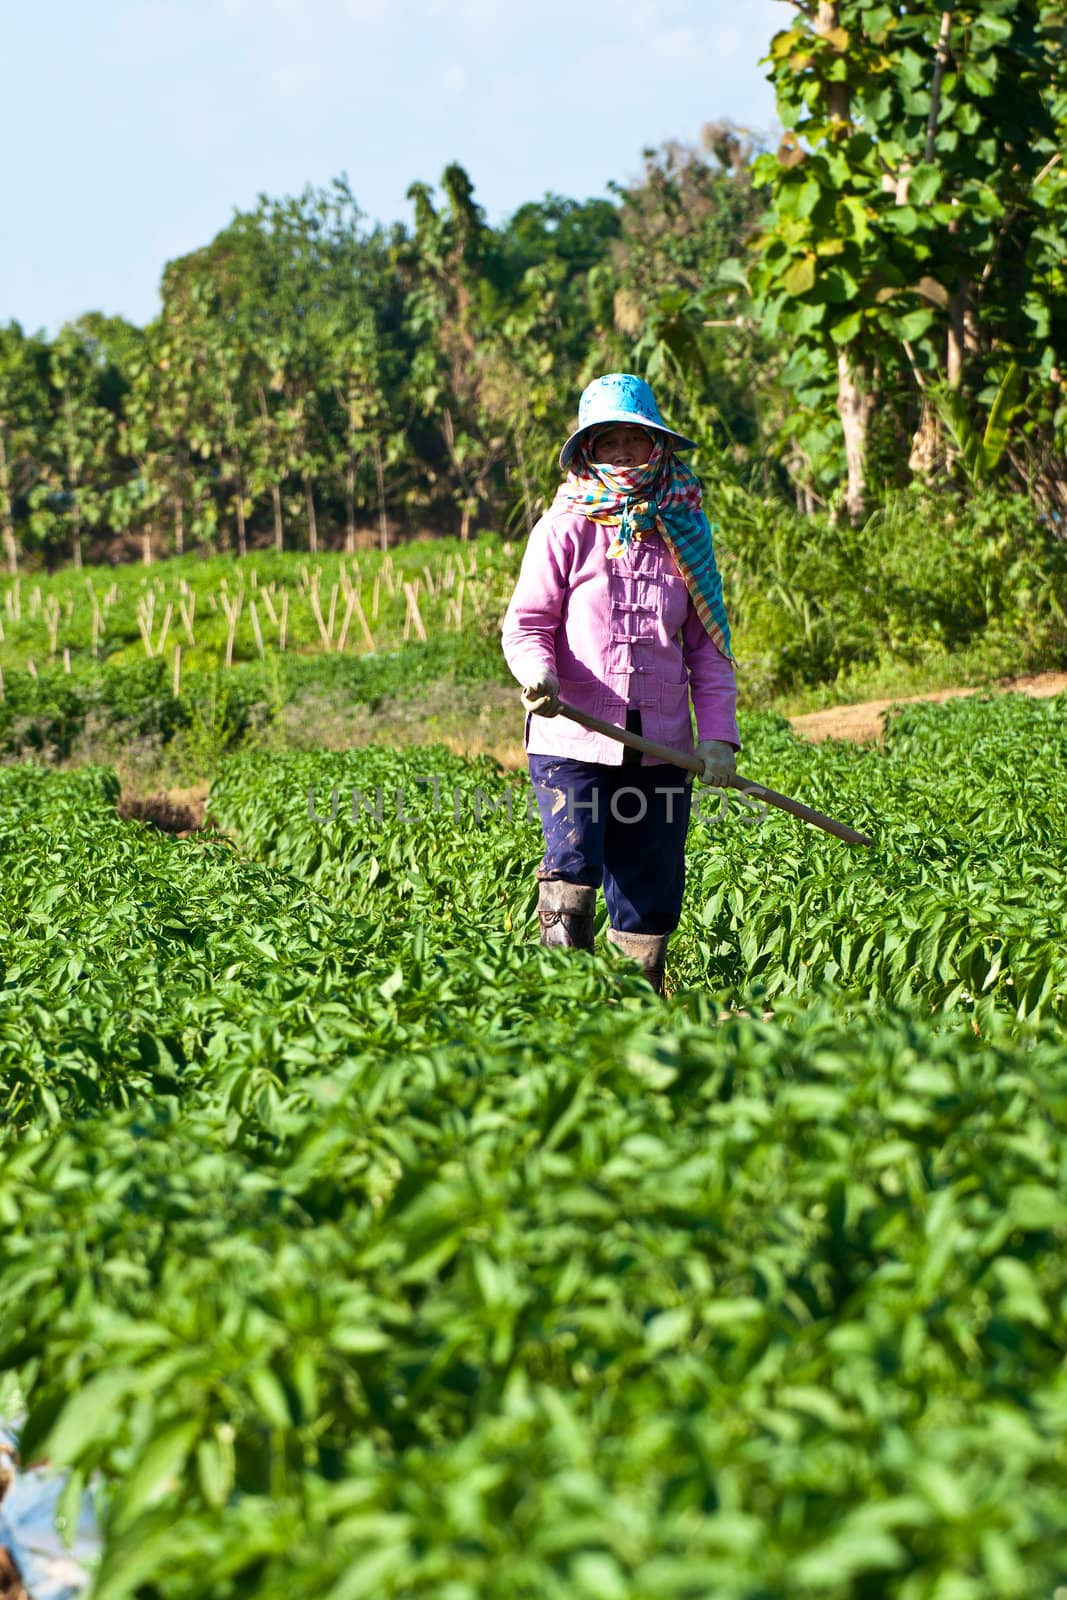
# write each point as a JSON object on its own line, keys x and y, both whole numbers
{"x": 912, "y": 130}
{"x": 24, "y": 423}
{"x": 78, "y": 461}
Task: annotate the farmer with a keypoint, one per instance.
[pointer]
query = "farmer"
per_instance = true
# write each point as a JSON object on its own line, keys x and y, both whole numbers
{"x": 618, "y": 612}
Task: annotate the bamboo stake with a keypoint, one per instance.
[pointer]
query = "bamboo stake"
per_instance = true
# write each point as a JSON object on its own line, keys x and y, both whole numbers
{"x": 349, "y": 608}
{"x": 317, "y": 612}
{"x": 355, "y": 608}
{"x": 51, "y": 622}
{"x": 31, "y": 667}
{"x": 177, "y": 686}
{"x": 233, "y": 611}
{"x": 66, "y": 658}
{"x": 187, "y": 612}
{"x": 163, "y": 629}
{"x": 375, "y": 598}
{"x": 146, "y": 636}
{"x": 414, "y": 615}
{"x": 333, "y": 611}
{"x": 284, "y": 620}
{"x": 269, "y": 604}
{"x": 255, "y": 626}
{"x": 431, "y": 587}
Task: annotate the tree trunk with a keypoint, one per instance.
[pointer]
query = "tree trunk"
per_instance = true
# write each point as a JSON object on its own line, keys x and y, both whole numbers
{"x": 7, "y": 521}
{"x": 239, "y": 511}
{"x": 836, "y": 93}
{"x": 279, "y": 527}
{"x": 146, "y": 545}
{"x": 350, "y": 505}
{"x": 313, "y": 527}
{"x": 72, "y": 480}
{"x": 383, "y": 517}
{"x": 940, "y": 63}
{"x": 179, "y": 526}
{"x": 926, "y": 445}
{"x": 275, "y": 490}
{"x": 957, "y": 335}
{"x": 855, "y": 405}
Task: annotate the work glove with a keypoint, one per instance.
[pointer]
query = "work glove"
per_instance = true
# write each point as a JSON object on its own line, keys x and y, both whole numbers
{"x": 543, "y": 696}
{"x": 720, "y": 763}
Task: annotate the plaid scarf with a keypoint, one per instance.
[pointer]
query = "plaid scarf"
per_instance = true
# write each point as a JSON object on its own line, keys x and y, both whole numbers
{"x": 663, "y": 496}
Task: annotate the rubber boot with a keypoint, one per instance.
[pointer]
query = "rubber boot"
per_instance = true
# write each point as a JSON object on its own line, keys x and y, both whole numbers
{"x": 649, "y": 950}
{"x": 565, "y": 913}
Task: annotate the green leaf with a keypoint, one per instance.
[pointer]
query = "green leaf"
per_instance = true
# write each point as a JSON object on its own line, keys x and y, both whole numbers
{"x": 156, "y": 1471}
{"x": 924, "y": 183}
{"x": 844, "y": 329}
{"x": 913, "y": 324}
{"x": 1034, "y": 1208}
{"x": 89, "y": 1415}
{"x": 269, "y": 1396}
{"x": 800, "y": 277}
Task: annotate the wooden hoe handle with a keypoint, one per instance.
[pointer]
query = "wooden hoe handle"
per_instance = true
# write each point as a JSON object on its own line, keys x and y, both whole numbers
{"x": 677, "y": 758}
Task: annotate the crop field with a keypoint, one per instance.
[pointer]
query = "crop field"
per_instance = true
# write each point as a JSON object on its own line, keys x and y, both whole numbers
{"x": 354, "y": 1246}
{"x": 215, "y": 612}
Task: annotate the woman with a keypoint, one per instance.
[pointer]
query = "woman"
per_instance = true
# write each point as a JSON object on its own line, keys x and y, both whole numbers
{"x": 618, "y": 611}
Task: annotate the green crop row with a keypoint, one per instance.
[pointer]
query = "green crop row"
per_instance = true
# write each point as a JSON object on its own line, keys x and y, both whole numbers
{"x": 961, "y": 904}
{"x": 355, "y": 1246}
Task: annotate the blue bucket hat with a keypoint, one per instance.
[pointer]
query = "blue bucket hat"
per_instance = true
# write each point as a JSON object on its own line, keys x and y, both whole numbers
{"x": 619, "y": 397}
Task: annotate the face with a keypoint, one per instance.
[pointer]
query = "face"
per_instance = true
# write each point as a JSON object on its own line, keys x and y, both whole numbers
{"x": 622, "y": 445}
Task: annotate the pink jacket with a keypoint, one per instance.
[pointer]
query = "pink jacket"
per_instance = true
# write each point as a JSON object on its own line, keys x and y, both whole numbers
{"x": 617, "y": 633}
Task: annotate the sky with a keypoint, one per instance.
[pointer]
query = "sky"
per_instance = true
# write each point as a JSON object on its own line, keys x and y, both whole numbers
{"x": 132, "y": 129}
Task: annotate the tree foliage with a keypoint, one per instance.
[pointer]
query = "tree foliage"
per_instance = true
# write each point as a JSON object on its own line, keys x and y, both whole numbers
{"x": 877, "y": 302}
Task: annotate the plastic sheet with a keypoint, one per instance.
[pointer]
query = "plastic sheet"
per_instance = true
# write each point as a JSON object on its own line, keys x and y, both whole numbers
{"x": 28, "y": 1528}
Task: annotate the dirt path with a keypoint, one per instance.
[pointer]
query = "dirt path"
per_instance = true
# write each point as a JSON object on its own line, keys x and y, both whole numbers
{"x": 863, "y": 722}
{"x": 176, "y": 811}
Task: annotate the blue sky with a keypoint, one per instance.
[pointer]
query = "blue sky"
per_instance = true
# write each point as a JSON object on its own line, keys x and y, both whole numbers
{"x": 133, "y": 128}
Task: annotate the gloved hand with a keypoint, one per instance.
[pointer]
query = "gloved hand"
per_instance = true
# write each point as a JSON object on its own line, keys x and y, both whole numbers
{"x": 719, "y": 760}
{"x": 543, "y": 696}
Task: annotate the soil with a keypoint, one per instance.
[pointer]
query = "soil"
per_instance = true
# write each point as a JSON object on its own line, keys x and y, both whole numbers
{"x": 176, "y": 811}
{"x": 864, "y": 724}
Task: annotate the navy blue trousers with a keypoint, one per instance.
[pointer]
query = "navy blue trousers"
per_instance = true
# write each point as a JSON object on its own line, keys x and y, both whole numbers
{"x": 608, "y": 825}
